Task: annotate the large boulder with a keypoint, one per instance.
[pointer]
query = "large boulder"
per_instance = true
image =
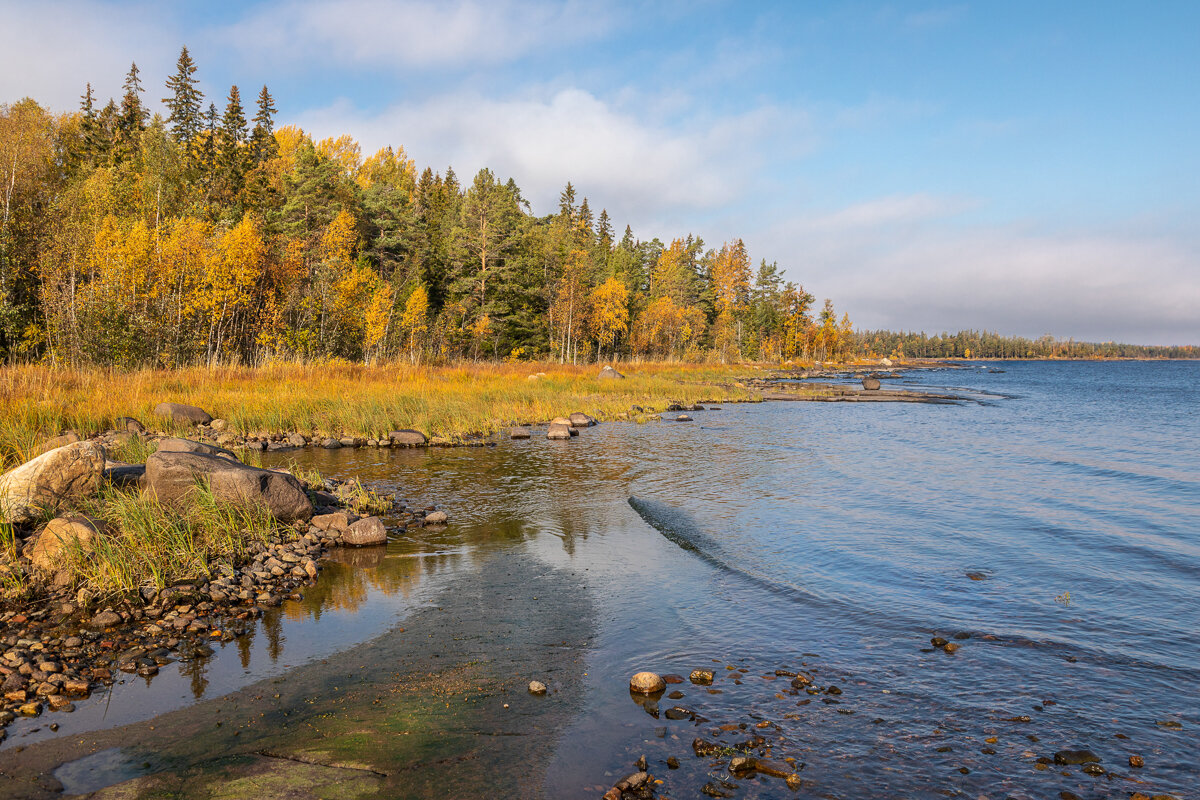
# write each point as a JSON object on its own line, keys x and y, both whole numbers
{"x": 581, "y": 420}
{"x": 40, "y": 485}
{"x": 609, "y": 372}
{"x": 367, "y": 531}
{"x": 174, "y": 445}
{"x": 870, "y": 384}
{"x": 172, "y": 477}
{"x": 407, "y": 438}
{"x": 183, "y": 414}
{"x": 61, "y": 535}
{"x": 558, "y": 431}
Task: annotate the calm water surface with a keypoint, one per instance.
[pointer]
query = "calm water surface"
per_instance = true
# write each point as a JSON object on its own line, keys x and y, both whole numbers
{"x": 837, "y": 539}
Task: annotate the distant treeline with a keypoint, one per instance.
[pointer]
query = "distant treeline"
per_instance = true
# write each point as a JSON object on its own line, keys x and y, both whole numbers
{"x": 133, "y": 240}
{"x": 983, "y": 344}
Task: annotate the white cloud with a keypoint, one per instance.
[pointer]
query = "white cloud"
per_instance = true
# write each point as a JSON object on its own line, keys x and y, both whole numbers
{"x": 50, "y": 51}
{"x": 635, "y": 167}
{"x": 901, "y": 263}
{"x": 405, "y": 33}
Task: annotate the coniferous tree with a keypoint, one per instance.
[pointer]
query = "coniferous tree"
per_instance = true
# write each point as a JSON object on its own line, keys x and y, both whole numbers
{"x": 132, "y": 118}
{"x": 262, "y": 139}
{"x": 185, "y": 100}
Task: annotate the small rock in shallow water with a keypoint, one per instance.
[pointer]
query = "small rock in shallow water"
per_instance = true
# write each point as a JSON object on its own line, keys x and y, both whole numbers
{"x": 435, "y": 518}
{"x": 938, "y": 641}
{"x": 537, "y": 687}
{"x": 701, "y": 677}
{"x": 646, "y": 683}
{"x": 1137, "y": 761}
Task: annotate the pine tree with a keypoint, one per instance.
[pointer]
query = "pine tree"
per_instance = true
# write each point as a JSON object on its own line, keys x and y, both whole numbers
{"x": 185, "y": 100}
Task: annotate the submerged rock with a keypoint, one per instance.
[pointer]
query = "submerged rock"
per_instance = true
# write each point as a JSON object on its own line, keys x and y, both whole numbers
{"x": 519, "y": 433}
{"x": 1076, "y": 757}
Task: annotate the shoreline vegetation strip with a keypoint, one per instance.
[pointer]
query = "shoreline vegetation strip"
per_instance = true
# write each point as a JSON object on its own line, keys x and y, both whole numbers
{"x": 335, "y": 399}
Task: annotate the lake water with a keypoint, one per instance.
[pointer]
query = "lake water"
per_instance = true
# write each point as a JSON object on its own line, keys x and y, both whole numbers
{"x": 1050, "y": 523}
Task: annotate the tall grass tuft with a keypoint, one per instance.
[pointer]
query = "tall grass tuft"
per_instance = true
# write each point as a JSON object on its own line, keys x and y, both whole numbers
{"x": 149, "y": 543}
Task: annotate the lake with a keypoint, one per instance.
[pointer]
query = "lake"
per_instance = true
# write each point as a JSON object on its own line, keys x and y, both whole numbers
{"x": 1046, "y": 526}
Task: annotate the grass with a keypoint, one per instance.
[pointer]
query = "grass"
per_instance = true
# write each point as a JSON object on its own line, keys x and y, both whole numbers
{"x": 151, "y": 544}
{"x": 341, "y": 399}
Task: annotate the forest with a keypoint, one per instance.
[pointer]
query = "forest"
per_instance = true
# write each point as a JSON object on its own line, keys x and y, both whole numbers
{"x": 214, "y": 236}
{"x": 984, "y": 344}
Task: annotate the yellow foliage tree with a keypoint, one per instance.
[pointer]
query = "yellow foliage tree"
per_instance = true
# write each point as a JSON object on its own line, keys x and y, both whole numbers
{"x": 415, "y": 320}
{"x": 233, "y": 268}
{"x": 609, "y": 318}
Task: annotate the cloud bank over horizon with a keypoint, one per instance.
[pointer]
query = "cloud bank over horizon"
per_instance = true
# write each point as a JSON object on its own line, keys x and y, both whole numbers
{"x": 958, "y": 166}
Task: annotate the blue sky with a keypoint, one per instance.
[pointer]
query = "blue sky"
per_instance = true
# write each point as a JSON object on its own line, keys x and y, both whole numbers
{"x": 1025, "y": 167}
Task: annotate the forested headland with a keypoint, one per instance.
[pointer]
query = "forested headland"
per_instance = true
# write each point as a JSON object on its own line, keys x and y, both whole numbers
{"x": 212, "y": 235}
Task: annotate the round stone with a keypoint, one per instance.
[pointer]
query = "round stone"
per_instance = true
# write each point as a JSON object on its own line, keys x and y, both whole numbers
{"x": 647, "y": 683}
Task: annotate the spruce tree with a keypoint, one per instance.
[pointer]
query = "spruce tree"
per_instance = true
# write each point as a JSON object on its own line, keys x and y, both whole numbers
{"x": 262, "y": 139}
{"x": 132, "y": 118}
{"x": 185, "y": 100}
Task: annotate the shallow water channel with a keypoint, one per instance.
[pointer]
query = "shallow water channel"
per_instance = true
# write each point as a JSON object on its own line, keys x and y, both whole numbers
{"x": 833, "y": 540}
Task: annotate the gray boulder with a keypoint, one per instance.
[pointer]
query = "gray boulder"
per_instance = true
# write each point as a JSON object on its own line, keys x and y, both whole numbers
{"x": 183, "y": 414}
{"x": 174, "y": 445}
{"x": 870, "y": 384}
{"x": 581, "y": 420}
{"x": 367, "y": 531}
{"x": 172, "y": 477}
{"x": 42, "y": 484}
{"x": 608, "y": 372}
{"x": 558, "y": 431}
{"x": 519, "y": 433}
{"x": 407, "y": 438}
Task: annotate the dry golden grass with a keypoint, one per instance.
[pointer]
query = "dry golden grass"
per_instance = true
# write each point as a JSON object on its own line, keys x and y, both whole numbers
{"x": 37, "y": 402}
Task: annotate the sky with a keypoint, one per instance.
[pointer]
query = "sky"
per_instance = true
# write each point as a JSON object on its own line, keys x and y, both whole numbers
{"x": 1022, "y": 167}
